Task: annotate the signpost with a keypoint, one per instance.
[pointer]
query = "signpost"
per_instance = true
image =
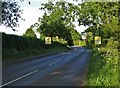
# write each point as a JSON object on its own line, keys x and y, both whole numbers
{"x": 47, "y": 40}
{"x": 97, "y": 40}
{"x": 55, "y": 38}
{"x": 84, "y": 36}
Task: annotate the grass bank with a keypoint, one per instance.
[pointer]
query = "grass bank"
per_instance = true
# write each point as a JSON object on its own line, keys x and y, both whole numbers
{"x": 18, "y": 47}
{"x": 11, "y": 54}
{"x": 103, "y": 67}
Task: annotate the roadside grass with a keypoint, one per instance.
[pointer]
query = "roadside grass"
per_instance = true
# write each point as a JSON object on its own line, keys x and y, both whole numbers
{"x": 9, "y": 55}
{"x": 103, "y": 68}
{"x": 16, "y": 47}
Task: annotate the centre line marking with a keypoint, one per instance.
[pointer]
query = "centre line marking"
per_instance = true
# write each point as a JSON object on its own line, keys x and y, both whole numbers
{"x": 18, "y": 78}
{"x": 54, "y": 62}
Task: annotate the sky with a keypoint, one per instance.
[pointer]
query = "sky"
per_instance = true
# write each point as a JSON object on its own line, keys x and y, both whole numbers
{"x": 31, "y": 13}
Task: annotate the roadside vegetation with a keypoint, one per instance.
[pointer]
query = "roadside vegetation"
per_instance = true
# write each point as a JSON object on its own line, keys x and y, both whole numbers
{"x": 103, "y": 69}
{"x": 19, "y": 47}
{"x": 102, "y": 19}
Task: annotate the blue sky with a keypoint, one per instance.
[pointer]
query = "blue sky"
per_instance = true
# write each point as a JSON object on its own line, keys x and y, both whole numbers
{"x": 31, "y": 13}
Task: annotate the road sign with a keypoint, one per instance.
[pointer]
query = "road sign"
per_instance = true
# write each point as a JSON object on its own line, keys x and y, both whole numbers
{"x": 97, "y": 40}
{"x": 84, "y": 37}
{"x": 47, "y": 40}
{"x": 55, "y": 38}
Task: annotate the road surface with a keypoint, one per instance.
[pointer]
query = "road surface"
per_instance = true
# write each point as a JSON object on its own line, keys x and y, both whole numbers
{"x": 64, "y": 69}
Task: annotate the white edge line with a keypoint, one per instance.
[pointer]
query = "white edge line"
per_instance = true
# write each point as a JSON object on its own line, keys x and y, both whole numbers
{"x": 18, "y": 78}
{"x": 63, "y": 53}
{"x": 66, "y": 53}
{"x": 54, "y": 62}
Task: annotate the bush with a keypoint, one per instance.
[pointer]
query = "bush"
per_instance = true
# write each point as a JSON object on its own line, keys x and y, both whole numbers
{"x": 103, "y": 65}
{"x": 18, "y": 46}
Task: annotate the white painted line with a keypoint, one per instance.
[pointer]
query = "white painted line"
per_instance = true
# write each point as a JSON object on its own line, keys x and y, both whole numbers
{"x": 54, "y": 62}
{"x": 66, "y": 53}
{"x": 63, "y": 53}
{"x": 75, "y": 49}
{"x": 18, "y": 78}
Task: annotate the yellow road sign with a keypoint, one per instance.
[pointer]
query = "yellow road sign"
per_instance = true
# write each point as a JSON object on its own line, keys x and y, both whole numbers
{"x": 97, "y": 40}
{"x": 47, "y": 40}
{"x": 55, "y": 38}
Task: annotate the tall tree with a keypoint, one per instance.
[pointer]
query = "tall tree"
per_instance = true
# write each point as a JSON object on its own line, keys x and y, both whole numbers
{"x": 102, "y": 18}
{"x": 30, "y": 33}
{"x": 57, "y": 20}
{"x": 10, "y": 13}
{"x": 92, "y": 14}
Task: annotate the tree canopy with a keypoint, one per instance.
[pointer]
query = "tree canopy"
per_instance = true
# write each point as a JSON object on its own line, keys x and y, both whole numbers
{"x": 60, "y": 15}
{"x": 57, "y": 20}
{"x": 11, "y": 12}
{"x": 100, "y": 17}
{"x": 30, "y": 33}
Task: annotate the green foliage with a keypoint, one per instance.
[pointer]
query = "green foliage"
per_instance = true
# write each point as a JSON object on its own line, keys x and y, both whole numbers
{"x": 107, "y": 31}
{"x": 18, "y": 47}
{"x": 102, "y": 19}
{"x": 103, "y": 65}
{"x": 59, "y": 15}
{"x": 20, "y": 43}
{"x": 82, "y": 43}
{"x": 76, "y": 37}
{"x": 90, "y": 40}
{"x": 11, "y": 12}
{"x": 96, "y": 13}
{"x": 30, "y": 33}
{"x": 111, "y": 29}
{"x": 57, "y": 20}
{"x": 112, "y": 43}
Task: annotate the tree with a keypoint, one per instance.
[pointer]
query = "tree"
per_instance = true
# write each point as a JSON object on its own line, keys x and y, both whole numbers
{"x": 30, "y": 33}
{"x": 101, "y": 17}
{"x": 76, "y": 37}
{"x": 57, "y": 20}
{"x": 0, "y": 9}
{"x": 96, "y": 13}
{"x": 59, "y": 16}
{"x": 11, "y": 12}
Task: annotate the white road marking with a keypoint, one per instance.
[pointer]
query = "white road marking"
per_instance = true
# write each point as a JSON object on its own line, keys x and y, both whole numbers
{"x": 54, "y": 73}
{"x": 75, "y": 49}
{"x": 64, "y": 53}
{"x": 54, "y": 62}
{"x": 18, "y": 78}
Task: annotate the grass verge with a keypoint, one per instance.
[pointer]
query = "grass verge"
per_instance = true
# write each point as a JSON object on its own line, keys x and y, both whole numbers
{"x": 10, "y": 55}
{"x": 103, "y": 68}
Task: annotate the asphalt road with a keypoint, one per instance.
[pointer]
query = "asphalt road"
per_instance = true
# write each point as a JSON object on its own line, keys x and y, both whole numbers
{"x": 64, "y": 69}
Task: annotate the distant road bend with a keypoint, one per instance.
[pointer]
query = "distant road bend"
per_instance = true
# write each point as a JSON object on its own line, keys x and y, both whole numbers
{"x": 64, "y": 69}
